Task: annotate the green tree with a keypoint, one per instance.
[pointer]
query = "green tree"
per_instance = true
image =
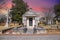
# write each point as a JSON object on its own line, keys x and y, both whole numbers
{"x": 57, "y": 10}
{"x": 18, "y": 10}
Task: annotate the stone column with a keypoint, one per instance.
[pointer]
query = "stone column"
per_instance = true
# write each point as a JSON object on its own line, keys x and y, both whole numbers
{"x": 33, "y": 22}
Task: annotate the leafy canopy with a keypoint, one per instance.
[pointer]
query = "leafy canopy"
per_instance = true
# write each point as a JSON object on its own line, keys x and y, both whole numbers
{"x": 18, "y": 10}
{"x": 57, "y": 10}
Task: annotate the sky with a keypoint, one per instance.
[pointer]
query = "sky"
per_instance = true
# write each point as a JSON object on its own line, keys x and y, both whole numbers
{"x": 6, "y": 4}
{"x": 37, "y": 5}
{"x": 41, "y": 4}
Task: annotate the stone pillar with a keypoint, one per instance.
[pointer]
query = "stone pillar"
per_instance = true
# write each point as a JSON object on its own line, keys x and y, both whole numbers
{"x": 33, "y": 22}
{"x": 27, "y": 22}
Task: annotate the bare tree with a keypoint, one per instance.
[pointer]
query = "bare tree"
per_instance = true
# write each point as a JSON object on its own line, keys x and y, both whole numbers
{"x": 49, "y": 15}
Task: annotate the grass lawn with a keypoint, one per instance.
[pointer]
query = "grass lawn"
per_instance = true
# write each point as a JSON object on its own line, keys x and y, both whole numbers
{"x": 2, "y": 27}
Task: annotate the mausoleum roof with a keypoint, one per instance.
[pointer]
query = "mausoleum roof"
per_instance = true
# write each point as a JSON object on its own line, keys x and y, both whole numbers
{"x": 31, "y": 13}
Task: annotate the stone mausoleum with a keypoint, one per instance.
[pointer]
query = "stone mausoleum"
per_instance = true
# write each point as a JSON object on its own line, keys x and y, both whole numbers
{"x": 31, "y": 18}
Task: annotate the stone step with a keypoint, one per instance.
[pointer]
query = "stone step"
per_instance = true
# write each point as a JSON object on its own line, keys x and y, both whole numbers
{"x": 29, "y": 31}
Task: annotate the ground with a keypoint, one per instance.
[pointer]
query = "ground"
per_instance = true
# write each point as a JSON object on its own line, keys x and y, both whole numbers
{"x": 30, "y": 37}
{"x": 50, "y": 35}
